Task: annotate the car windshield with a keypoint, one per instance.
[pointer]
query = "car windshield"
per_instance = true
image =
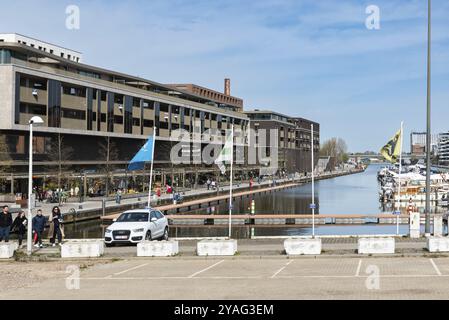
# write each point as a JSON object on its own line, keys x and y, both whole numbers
{"x": 133, "y": 217}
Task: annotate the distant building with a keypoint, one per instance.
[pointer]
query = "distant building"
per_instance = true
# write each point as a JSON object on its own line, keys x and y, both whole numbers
{"x": 443, "y": 149}
{"x": 220, "y": 100}
{"x": 418, "y": 143}
{"x": 294, "y": 146}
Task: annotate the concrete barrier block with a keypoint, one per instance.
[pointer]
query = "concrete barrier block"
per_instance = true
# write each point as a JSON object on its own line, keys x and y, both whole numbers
{"x": 7, "y": 249}
{"x": 157, "y": 248}
{"x": 438, "y": 244}
{"x": 216, "y": 247}
{"x": 302, "y": 246}
{"x": 376, "y": 245}
{"x": 438, "y": 225}
{"x": 82, "y": 248}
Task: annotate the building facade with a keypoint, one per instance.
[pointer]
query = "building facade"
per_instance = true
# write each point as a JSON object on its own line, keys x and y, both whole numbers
{"x": 220, "y": 100}
{"x": 443, "y": 149}
{"x": 418, "y": 143}
{"x": 294, "y": 138}
{"x": 94, "y": 115}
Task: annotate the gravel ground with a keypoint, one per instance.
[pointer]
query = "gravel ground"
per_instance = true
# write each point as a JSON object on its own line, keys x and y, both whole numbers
{"x": 16, "y": 275}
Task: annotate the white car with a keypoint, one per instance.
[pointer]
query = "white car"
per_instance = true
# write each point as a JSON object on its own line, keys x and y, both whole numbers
{"x": 135, "y": 226}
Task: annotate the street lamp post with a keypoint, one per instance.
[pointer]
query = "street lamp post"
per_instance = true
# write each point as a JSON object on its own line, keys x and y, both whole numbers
{"x": 428, "y": 142}
{"x": 34, "y": 121}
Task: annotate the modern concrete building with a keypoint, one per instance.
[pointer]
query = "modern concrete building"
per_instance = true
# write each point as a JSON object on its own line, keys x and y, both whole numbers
{"x": 295, "y": 139}
{"x": 443, "y": 149}
{"x": 92, "y": 114}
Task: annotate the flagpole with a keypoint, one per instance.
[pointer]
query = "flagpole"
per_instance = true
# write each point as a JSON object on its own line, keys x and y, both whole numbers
{"x": 313, "y": 190}
{"x": 231, "y": 181}
{"x": 399, "y": 181}
{"x": 151, "y": 168}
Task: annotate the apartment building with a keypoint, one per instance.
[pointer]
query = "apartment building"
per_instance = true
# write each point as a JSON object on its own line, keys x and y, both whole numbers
{"x": 294, "y": 138}
{"x": 91, "y": 109}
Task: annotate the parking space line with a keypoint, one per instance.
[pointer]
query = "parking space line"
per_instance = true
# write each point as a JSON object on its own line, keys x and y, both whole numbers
{"x": 204, "y": 270}
{"x": 280, "y": 270}
{"x": 435, "y": 267}
{"x": 392, "y": 276}
{"x": 131, "y": 269}
{"x": 359, "y": 267}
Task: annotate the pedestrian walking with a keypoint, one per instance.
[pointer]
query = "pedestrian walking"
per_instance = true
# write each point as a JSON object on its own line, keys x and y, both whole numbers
{"x": 5, "y": 224}
{"x": 208, "y": 182}
{"x": 38, "y": 223}
{"x": 20, "y": 226}
{"x": 56, "y": 226}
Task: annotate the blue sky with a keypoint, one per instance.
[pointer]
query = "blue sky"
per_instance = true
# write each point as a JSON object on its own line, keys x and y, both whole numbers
{"x": 314, "y": 59}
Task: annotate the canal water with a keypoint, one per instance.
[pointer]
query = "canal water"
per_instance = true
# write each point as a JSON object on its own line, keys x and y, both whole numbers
{"x": 352, "y": 194}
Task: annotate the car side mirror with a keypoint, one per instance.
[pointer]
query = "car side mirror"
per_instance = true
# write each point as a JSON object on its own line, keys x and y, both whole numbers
{"x": 114, "y": 220}
{"x": 153, "y": 219}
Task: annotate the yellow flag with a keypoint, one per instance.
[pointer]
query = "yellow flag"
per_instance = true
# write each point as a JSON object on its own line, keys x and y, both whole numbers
{"x": 392, "y": 149}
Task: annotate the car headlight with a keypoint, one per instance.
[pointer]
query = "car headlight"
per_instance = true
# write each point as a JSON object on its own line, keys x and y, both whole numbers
{"x": 108, "y": 230}
{"x": 139, "y": 230}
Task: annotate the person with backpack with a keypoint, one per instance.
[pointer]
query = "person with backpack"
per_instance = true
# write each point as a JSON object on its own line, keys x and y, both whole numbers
{"x": 38, "y": 222}
{"x": 20, "y": 226}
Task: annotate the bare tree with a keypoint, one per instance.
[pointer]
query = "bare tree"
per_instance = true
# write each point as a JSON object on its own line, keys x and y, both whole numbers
{"x": 336, "y": 148}
{"x": 109, "y": 152}
{"x": 5, "y": 155}
{"x": 61, "y": 153}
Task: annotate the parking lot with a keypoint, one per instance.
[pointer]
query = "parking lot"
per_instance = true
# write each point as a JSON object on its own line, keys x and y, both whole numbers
{"x": 250, "y": 278}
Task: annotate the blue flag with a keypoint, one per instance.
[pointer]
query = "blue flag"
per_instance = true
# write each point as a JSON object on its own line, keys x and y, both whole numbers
{"x": 144, "y": 155}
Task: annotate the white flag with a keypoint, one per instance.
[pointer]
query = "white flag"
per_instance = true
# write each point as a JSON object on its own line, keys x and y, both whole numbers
{"x": 226, "y": 155}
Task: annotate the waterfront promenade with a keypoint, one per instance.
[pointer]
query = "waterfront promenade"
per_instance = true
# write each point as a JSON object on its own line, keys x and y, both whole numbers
{"x": 93, "y": 208}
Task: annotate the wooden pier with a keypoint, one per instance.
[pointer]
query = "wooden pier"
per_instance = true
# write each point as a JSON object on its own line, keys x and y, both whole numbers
{"x": 281, "y": 219}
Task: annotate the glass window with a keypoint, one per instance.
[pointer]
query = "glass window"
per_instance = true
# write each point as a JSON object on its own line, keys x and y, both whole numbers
{"x": 148, "y": 123}
{"x": 148, "y": 104}
{"x": 118, "y": 119}
{"x": 133, "y": 217}
{"x": 36, "y": 109}
{"x": 118, "y": 99}
{"x": 159, "y": 215}
{"x": 73, "y": 114}
{"x": 163, "y": 107}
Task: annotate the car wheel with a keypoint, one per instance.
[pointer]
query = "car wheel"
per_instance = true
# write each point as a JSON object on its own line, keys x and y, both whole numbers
{"x": 148, "y": 236}
{"x": 165, "y": 236}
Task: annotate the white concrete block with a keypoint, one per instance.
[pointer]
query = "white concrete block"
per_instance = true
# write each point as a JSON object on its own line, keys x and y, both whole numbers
{"x": 302, "y": 246}
{"x": 376, "y": 245}
{"x": 89, "y": 248}
{"x": 216, "y": 247}
{"x": 157, "y": 248}
{"x": 7, "y": 249}
{"x": 415, "y": 225}
{"x": 438, "y": 244}
{"x": 438, "y": 225}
